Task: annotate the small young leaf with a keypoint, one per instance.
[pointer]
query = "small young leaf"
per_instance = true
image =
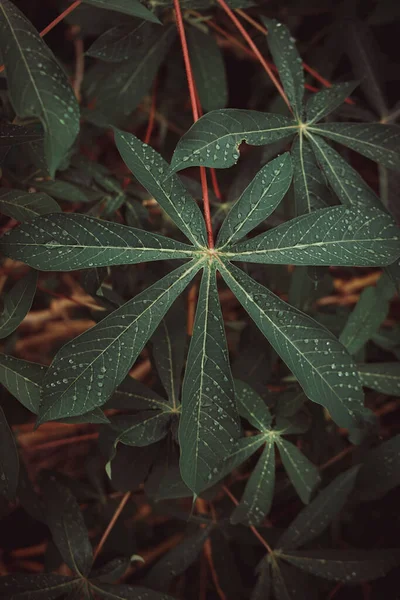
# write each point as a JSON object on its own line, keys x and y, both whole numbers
{"x": 45, "y": 586}
{"x": 331, "y": 236}
{"x": 376, "y": 141}
{"x": 208, "y": 69}
{"x": 22, "y": 206}
{"x": 301, "y": 472}
{"x": 315, "y": 517}
{"x": 67, "y": 242}
{"x": 135, "y": 395}
{"x": 368, "y": 315}
{"x": 305, "y": 346}
{"x": 133, "y": 8}
{"x": 381, "y": 377}
{"x": 177, "y": 560}
{"x": 209, "y": 423}
{"x": 67, "y": 527}
{"x": 252, "y": 407}
{"x": 17, "y": 303}
{"x": 23, "y": 380}
{"x": 169, "y": 342}
{"x": 38, "y": 87}
{"x": 347, "y": 184}
{"x": 349, "y": 566}
{"x": 311, "y": 191}
{"x": 257, "y": 498}
{"x": 213, "y": 141}
{"x": 380, "y": 471}
{"x": 142, "y": 429}
{"x": 290, "y": 66}
{"x": 65, "y": 190}
{"x": 151, "y": 170}
{"x": 85, "y": 371}
{"x": 119, "y": 93}
{"x": 323, "y": 103}
{"x": 258, "y": 200}
{"x": 9, "y": 460}
{"x": 121, "y": 42}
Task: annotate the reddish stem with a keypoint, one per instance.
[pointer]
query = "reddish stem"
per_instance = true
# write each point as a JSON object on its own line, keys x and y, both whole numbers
{"x": 214, "y": 179}
{"x": 256, "y": 51}
{"x": 195, "y": 112}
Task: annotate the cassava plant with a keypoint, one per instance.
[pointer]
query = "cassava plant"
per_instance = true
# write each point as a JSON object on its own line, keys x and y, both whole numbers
{"x": 217, "y": 396}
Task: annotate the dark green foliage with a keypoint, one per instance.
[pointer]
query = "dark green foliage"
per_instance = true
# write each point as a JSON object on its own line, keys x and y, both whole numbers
{"x": 253, "y": 381}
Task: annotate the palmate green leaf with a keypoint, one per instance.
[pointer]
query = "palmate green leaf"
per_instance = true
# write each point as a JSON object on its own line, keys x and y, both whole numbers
{"x": 258, "y": 200}
{"x": 381, "y": 377}
{"x": 288, "y": 61}
{"x": 321, "y": 364}
{"x": 45, "y": 586}
{"x": 169, "y": 344}
{"x": 243, "y": 449}
{"x": 368, "y": 315}
{"x": 126, "y": 592}
{"x": 133, "y": 8}
{"x": 86, "y": 370}
{"x": 252, "y": 407}
{"x": 213, "y": 140}
{"x": 289, "y": 583}
{"x": 380, "y": 471}
{"x": 151, "y": 170}
{"x": 177, "y": 560}
{"x": 209, "y": 424}
{"x": 311, "y": 191}
{"x": 38, "y": 87}
{"x": 67, "y": 242}
{"x": 121, "y": 42}
{"x": 377, "y": 141}
{"x": 17, "y": 303}
{"x": 315, "y": 517}
{"x": 349, "y": 566}
{"x": 347, "y": 184}
{"x": 23, "y": 380}
{"x": 302, "y": 473}
{"x": 323, "y": 103}
{"x": 23, "y": 206}
{"x": 257, "y": 498}
{"x": 67, "y": 526}
{"x": 262, "y": 589}
{"x": 208, "y": 69}
{"x": 122, "y": 90}
{"x": 143, "y": 429}
{"x": 9, "y": 460}
{"x": 337, "y": 235}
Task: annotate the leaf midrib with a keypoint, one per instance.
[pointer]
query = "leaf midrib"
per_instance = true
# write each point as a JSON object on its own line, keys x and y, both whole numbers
{"x": 148, "y": 307}
{"x": 288, "y": 339}
{"x": 20, "y": 49}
